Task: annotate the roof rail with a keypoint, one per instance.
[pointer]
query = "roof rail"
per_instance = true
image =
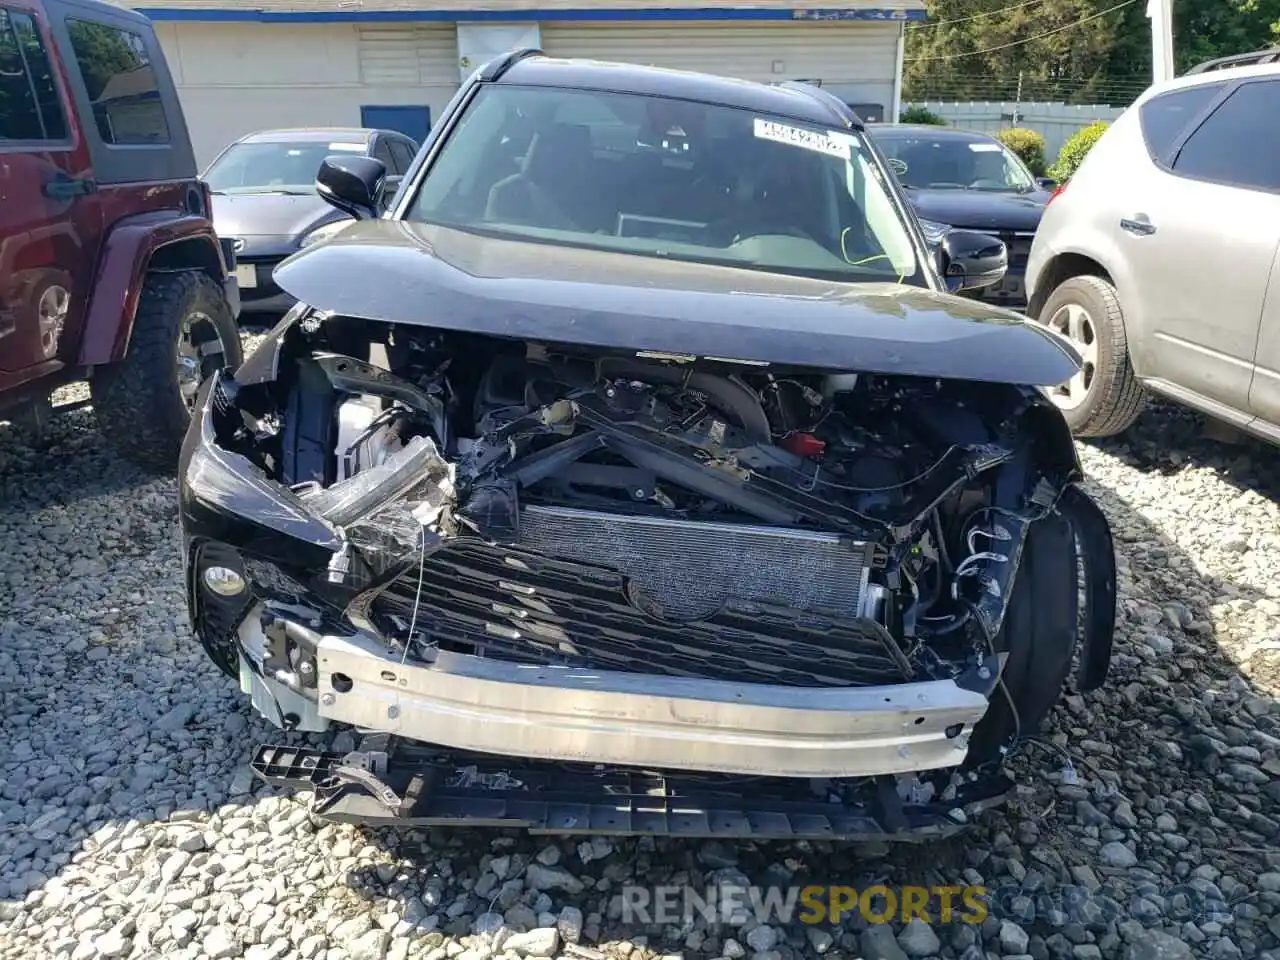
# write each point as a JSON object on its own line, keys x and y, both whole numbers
{"x": 840, "y": 111}
{"x": 1270, "y": 55}
{"x": 500, "y": 64}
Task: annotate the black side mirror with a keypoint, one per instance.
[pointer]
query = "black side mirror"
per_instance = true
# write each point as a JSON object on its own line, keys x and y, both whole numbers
{"x": 1046, "y": 183}
{"x": 971, "y": 261}
{"x": 352, "y": 184}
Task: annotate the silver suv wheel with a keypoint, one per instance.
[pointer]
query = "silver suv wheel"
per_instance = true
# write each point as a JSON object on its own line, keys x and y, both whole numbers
{"x": 1074, "y": 322}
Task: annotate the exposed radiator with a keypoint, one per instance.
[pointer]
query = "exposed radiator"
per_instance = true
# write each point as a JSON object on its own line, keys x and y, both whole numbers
{"x": 689, "y": 570}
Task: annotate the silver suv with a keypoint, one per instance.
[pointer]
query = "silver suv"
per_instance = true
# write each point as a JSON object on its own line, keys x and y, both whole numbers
{"x": 1157, "y": 259}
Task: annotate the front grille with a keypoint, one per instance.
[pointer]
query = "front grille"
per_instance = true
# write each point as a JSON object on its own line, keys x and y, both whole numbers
{"x": 749, "y": 604}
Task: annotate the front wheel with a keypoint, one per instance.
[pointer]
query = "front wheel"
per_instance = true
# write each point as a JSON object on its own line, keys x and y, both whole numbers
{"x": 182, "y": 334}
{"x": 1105, "y": 397}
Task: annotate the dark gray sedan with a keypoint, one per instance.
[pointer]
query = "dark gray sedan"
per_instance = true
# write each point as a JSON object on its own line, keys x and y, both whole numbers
{"x": 264, "y": 197}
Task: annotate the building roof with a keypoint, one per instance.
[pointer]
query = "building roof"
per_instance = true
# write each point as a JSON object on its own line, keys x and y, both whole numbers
{"x": 533, "y": 10}
{"x": 886, "y": 130}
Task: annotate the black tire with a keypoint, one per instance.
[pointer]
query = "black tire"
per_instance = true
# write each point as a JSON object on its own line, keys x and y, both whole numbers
{"x": 1114, "y": 398}
{"x": 1038, "y": 633}
{"x": 138, "y": 401}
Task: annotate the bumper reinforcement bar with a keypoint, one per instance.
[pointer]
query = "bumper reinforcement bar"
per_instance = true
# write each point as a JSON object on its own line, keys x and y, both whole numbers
{"x": 390, "y": 783}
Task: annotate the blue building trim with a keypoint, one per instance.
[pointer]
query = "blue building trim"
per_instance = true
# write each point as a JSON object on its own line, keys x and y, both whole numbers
{"x": 768, "y": 14}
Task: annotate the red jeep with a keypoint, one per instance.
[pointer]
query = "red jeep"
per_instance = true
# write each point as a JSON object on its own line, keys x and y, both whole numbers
{"x": 109, "y": 265}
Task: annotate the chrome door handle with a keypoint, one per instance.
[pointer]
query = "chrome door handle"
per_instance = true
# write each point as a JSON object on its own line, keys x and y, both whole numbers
{"x": 1139, "y": 226}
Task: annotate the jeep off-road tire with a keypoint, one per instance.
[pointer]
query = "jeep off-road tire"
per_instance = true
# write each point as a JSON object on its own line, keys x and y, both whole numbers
{"x": 1114, "y": 398}
{"x": 1038, "y": 634}
{"x": 139, "y": 401}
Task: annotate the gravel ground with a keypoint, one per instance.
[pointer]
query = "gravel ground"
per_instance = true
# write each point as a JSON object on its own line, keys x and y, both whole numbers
{"x": 129, "y": 826}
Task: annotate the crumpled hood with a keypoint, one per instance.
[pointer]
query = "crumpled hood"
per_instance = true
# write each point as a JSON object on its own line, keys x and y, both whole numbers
{"x": 986, "y": 211}
{"x": 432, "y": 276}
{"x": 270, "y": 214}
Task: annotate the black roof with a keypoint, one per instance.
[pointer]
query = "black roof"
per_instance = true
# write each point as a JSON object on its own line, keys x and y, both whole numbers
{"x": 795, "y": 101}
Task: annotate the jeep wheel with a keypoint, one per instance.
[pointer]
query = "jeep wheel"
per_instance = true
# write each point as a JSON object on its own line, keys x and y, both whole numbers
{"x": 182, "y": 333}
{"x": 1105, "y": 397}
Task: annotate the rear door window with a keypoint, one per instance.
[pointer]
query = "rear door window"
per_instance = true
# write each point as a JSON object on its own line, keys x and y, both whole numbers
{"x": 116, "y": 67}
{"x": 1239, "y": 143}
{"x": 30, "y": 105}
{"x": 382, "y": 151}
{"x": 403, "y": 152}
{"x": 1165, "y": 118}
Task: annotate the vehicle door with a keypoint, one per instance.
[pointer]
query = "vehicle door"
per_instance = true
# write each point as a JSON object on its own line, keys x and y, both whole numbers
{"x": 1264, "y": 394}
{"x": 50, "y": 223}
{"x": 1201, "y": 233}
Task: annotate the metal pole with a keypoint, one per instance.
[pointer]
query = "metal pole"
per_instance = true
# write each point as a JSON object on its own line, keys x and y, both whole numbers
{"x": 1160, "y": 13}
{"x": 896, "y": 110}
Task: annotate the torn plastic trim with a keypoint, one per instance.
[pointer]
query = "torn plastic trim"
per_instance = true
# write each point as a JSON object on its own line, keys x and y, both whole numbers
{"x": 394, "y": 509}
{"x": 1097, "y": 550}
{"x": 230, "y": 484}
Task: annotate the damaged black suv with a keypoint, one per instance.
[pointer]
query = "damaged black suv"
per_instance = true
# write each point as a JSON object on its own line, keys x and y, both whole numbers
{"x": 638, "y": 473}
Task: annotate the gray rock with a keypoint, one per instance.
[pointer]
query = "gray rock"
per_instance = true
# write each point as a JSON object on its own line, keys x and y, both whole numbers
{"x": 219, "y": 942}
{"x": 570, "y": 923}
{"x": 1156, "y": 945}
{"x": 762, "y": 938}
{"x": 1013, "y": 939}
{"x": 1116, "y": 854}
{"x": 549, "y": 855}
{"x": 541, "y": 877}
{"x": 352, "y": 929}
{"x": 878, "y": 943}
{"x": 541, "y": 942}
{"x": 819, "y": 939}
{"x": 487, "y": 924}
{"x": 369, "y": 946}
{"x": 177, "y": 718}
{"x": 917, "y": 939}
{"x": 184, "y": 920}
{"x": 112, "y": 945}
{"x": 190, "y": 842}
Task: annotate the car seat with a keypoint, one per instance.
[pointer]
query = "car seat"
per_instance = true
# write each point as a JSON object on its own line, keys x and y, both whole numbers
{"x": 550, "y": 189}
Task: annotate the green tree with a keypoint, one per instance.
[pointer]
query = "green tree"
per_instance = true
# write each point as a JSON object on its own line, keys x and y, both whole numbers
{"x": 1070, "y": 50}
{"x": 102, "y": 52}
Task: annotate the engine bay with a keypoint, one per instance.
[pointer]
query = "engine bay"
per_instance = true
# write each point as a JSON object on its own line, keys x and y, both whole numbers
{"x": 876, "y": 511}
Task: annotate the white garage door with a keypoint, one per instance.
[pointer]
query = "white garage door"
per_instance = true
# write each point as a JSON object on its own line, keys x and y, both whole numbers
{"x": 235, "y": 78}
{"x": 855, "y": 60}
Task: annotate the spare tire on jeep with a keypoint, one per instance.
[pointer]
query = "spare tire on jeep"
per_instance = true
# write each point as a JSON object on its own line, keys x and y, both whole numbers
{"x": 183, "y": 331}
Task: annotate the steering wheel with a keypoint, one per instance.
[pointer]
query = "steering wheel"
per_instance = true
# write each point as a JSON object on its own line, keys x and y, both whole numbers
{"x": 986, "y": 184}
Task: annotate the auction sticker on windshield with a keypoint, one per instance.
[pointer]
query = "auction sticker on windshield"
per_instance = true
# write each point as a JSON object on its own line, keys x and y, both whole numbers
{"x": 799, "y": 137}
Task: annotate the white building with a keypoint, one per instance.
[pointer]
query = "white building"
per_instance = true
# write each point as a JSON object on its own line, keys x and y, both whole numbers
{"x": 244, "y": 65}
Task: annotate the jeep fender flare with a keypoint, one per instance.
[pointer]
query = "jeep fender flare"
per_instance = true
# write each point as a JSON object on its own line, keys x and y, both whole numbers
{"x": 163, "y": 240}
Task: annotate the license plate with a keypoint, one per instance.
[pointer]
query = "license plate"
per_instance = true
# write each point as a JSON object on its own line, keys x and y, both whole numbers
{"x": 1010, "y": 288}
{"x": 246, "y": 275}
